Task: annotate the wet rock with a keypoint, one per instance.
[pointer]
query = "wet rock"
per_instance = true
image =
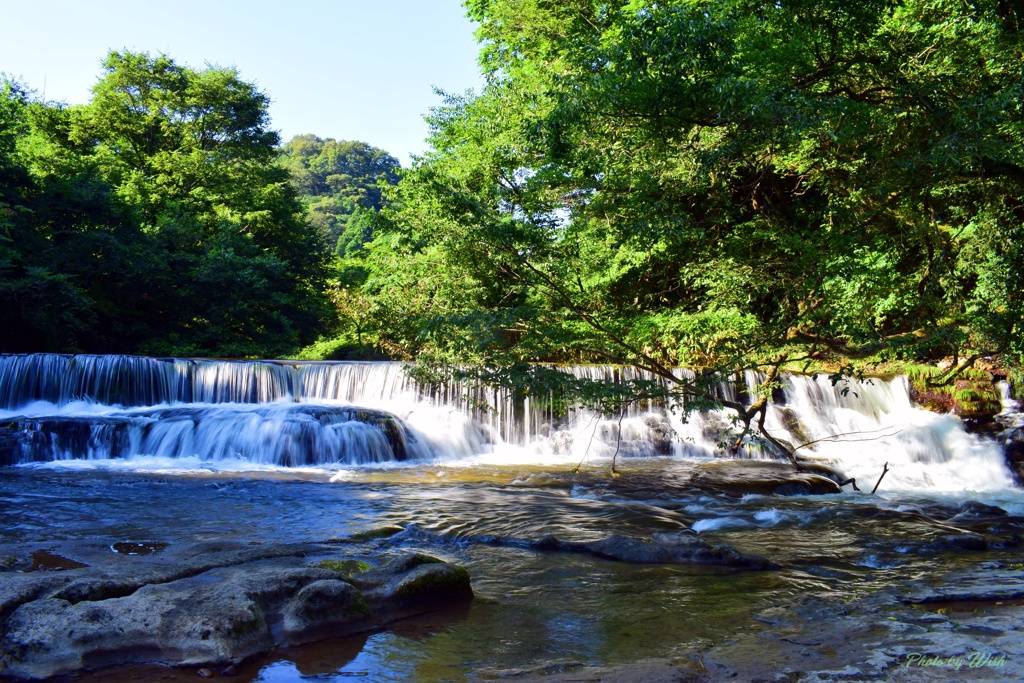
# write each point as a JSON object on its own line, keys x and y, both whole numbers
{"x": 763, "y": 478}
{"x": 791, "y": 421}
{"x": 209, "y": 616}
{"x": 987, "y": 584}
{"x": 659, "y": 433}
{"x": 963, "y": 542}
{"x": 426, "y": 583}
{"x": 373, "y": 534}
{"x": 972, "y": 509}
{"x": 9, "y": 444}
{"x": 1012, "y": 441}
{"x": 321, "y": 608}
{"x": 660, "y": 549}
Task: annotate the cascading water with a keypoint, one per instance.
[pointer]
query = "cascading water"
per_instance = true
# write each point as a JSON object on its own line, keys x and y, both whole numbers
{"x": 284, "y": 413}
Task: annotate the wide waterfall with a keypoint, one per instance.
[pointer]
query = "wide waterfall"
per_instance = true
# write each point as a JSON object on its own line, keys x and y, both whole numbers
{"x": 340, "y": 414}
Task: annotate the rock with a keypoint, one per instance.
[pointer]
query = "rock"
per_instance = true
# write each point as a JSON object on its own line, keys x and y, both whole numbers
{"x": 1012, "y": 441}
{"x": 659, "y": 432}
{"x": 426, "y": 583}
{"x": 413, "y": 581}
{"x": 977, "y": 403}
{"x": 321, "y": 608}
{"x": 662, "y": 548}
{"x": 9, "y": 444}
{"x": 965, "y": 542}
{"x": 987, "y": 583}
{"x": 211, "y": 611}
{"x": 373, "y": 534}
{"x": 743, "y": 477}
{"x": 972, "y": 509}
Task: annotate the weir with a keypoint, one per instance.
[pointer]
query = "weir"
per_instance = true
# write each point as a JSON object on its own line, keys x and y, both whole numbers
{"x": 290, "y": 413}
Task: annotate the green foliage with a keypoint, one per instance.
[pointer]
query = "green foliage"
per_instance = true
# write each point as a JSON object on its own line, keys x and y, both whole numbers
{"x": 154, "y": 220}
{"x": 340, "y": 184}
{"x": 720, "y": 185}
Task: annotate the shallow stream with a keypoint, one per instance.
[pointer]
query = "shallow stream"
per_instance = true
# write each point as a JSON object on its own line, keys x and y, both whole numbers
{"x": 148, "y": 456}
{"x": 531, "y": 607}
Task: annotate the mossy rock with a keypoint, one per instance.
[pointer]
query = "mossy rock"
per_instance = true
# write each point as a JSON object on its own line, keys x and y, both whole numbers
{"x": 972, "y": 396}
{"x": 323, "y": 606}
{"x": 345, "y": 568}
{"x": 433, "y": 581}
{"x": 975, "y": 399}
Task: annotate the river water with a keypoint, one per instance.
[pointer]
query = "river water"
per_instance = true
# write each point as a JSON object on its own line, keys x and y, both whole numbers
{"x": 166, "y": 453}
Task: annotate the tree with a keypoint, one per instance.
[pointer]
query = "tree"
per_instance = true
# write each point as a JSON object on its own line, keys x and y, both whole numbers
{"x": 339, "y": 181}
{"x": 161, "y": 203}
{"x": 722, "y": 186}
{"x": 52, "y": 229}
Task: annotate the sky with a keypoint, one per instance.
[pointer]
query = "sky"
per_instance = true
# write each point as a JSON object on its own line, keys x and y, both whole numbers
{"x": 348, "y": 69}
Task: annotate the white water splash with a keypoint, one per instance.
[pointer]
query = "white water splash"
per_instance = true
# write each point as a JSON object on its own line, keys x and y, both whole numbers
{"x": 264, "y": 412}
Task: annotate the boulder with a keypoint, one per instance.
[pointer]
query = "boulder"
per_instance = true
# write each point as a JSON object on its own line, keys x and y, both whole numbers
{"x": 661, "y": 548}
{"x": 742, "y": 477}
{"x": 215, "y": 609}
{"x": 1012, "y": 441}
{"x": 323, "y": 608}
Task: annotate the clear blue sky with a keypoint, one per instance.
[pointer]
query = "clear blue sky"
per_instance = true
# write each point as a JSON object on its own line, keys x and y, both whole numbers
{"x": 348, "y": 69}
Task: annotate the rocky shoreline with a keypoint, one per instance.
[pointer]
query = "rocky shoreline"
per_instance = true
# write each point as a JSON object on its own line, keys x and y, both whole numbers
{"x": 214, "y": 609}
{"x": 206, "y": 606}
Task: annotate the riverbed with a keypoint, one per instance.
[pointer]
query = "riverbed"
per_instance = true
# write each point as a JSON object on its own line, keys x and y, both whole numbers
{"x": 535, "y": 612}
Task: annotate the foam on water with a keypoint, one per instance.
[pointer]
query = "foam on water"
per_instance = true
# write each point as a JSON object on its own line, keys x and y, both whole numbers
{"x": 720, "y": 523}
{"x": 257, "y": 414}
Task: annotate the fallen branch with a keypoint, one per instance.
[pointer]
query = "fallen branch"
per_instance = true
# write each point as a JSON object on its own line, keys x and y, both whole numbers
{"x": 836, "y": 436}
{"x": 852, "y": 481}
{"x": 618, "y": 442}
{"x": 885, "y": 468}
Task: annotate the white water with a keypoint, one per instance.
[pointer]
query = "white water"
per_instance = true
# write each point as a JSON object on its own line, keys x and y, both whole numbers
{"x": 270, "y": 413}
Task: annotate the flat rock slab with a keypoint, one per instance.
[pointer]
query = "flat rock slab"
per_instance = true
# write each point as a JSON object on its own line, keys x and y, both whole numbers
{"x": 994, "y": 584}
{"x": 216, "y": 609}
{"x": 661, "y": 548}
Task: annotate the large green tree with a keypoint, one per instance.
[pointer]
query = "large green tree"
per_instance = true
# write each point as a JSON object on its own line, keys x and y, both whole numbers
{"x": 161, "y": 206}
{"x": 719, "y": 185}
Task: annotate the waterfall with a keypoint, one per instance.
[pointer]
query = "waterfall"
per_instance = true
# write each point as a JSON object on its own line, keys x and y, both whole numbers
{"x": 291, "y": 413}
{"x": 860, "y": 425}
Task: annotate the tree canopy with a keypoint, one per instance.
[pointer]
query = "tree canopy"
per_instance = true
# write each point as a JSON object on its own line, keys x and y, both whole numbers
{"x": 154, "y": 219}
{"x": 719, "y": 185}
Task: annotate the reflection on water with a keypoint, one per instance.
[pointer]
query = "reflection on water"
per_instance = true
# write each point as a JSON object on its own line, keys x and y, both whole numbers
{"x": 531, "y": 606}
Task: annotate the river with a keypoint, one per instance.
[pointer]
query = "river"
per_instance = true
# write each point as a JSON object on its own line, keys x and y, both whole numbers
{"x": 162, "y": 453}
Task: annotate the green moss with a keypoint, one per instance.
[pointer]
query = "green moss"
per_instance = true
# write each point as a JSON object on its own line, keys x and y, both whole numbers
{"x": 254, "y": 624}
{"x": 360, "y": 606}
{"x": 971, "y": 395}
{"x": 345, "y": 568}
